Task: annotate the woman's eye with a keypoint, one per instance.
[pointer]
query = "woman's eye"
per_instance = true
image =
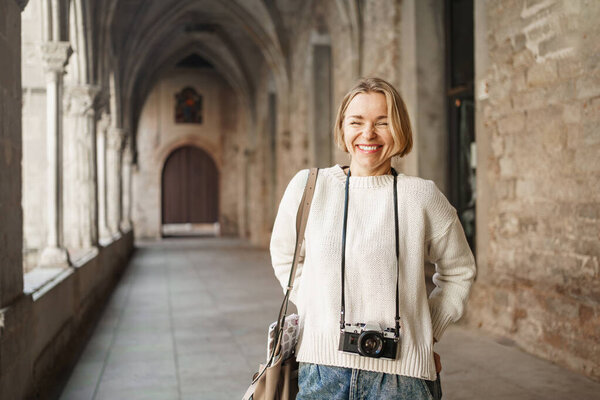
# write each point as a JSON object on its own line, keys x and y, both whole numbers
{"x": 354, "y": 123}
{"x": 382, "y": 124}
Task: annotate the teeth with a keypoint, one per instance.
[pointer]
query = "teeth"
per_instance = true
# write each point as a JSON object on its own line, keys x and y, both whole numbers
{"x": 367, "y": 148}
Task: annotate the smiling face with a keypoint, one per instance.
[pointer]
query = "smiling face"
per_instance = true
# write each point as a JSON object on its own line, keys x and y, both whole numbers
{"x": 367, "y": 134}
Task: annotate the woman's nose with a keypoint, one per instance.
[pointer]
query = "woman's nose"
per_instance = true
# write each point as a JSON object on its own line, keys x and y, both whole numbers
{"x": 369, "y": 131}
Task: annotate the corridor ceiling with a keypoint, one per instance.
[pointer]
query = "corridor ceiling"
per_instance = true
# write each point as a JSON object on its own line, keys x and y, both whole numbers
{"x": 143, "y": 38}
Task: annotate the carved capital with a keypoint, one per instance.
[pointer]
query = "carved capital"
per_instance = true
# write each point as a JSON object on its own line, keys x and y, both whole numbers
{"x": 22, "y": 3}
{"x": 80, "y": 99}
{"x": 55, "y": 56}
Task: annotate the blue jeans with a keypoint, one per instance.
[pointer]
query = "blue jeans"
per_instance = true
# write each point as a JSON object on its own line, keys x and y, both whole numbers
{"x": 319, "y": 382}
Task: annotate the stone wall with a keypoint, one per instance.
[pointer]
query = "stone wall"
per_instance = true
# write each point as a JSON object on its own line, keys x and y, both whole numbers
{"x": 159, "y": 135}
{"x": 14, "y": 314}
{"x": 538, "y": 109}
{"x": 11, "y": 228}
{"x": 43, "y": 332}
{"x": 257, "y": 167}
{"x": 231, "y": 124}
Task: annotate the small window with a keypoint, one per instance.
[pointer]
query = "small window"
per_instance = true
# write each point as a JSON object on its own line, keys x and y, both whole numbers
{"x": 188, "y": 107}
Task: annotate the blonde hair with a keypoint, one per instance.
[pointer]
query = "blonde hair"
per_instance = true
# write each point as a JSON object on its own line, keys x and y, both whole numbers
{"x": 396, "y": 109}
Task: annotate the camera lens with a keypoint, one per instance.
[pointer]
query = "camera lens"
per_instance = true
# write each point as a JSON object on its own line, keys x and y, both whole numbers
{"x": 370, "y": 344}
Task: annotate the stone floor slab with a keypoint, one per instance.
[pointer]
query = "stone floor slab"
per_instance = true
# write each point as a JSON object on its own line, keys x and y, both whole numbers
{"x": 188, "y": 321}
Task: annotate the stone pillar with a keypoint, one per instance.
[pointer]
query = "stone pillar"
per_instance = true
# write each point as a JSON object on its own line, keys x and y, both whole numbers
{"x": 80, "y": 142}
{"x": 115, "y": 141}
{"x": 102, "y": 192}
{"x": 11, "y": 154}
{"x": 55, "y": 57}
{"x": 92, "y": 186}
{"x": 126, "y": 166}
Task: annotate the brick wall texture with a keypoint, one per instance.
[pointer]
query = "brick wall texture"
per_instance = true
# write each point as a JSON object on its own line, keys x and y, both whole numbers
{"x": 541, "y": 283}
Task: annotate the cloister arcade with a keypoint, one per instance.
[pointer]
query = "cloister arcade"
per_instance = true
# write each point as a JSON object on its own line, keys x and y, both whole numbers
{"x": 108, "y": 110}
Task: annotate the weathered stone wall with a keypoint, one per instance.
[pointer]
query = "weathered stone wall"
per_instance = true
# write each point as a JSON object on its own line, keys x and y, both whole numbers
{"x": 159, "y": 135}
{"x": 230, "y": 143}
{"x": 11, "y": 227}
{"x": 43, "y": 332}
{"x": 258, "y": 173}
{"x": 538, "y": 110}
{"x": 14, "y": 314}
{"x": 429, "y": 104}
{"x": 381, "y": 40}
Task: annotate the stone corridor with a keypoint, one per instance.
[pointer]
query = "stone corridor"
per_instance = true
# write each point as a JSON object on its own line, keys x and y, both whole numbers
{"x": 188, "y": 321}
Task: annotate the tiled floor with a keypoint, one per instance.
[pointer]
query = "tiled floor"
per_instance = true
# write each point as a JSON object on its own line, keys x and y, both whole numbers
{"x": 188, "y": 321}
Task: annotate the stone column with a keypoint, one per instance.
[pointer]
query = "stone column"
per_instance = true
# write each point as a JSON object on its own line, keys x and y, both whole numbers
{"x": 80, "y": 143}
{"x": 55, "y": 56}
{"x": 92, "y": 186}
{"x": 113, "y": 160}
{"x": 101, "y": 141}
{"x": 126, "y": 166}
{"x": 11, "y": 155}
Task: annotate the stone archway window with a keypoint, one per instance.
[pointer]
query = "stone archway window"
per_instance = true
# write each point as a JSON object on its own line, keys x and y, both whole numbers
{"x": 188, "y": 106}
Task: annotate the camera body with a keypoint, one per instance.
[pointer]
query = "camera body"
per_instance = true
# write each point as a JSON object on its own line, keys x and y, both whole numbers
{"x": 369, "y": 340}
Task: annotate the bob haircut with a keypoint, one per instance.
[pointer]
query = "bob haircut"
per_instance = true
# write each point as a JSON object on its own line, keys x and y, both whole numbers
{"x": 396, "y": 110}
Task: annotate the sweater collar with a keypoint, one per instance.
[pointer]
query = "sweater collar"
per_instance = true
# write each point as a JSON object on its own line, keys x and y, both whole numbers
{"x": 362, "y": 181}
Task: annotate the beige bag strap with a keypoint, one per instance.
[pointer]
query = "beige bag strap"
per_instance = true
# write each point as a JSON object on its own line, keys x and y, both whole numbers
{"x": 301, "y": 220}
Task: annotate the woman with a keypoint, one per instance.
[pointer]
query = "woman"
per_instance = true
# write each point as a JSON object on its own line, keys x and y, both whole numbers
{"x": 350, "y": 344}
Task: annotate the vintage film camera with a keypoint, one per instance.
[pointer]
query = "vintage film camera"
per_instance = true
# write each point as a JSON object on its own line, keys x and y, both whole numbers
{"x": 369, "y": 340}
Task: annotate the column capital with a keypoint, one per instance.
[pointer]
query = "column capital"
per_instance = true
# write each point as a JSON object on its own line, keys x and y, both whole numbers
{"x": 80, "y": 99}
{"x": 22, "y": 3}
{"x": 55, "y": 56}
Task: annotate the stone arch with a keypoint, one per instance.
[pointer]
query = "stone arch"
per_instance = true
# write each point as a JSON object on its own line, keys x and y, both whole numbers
{"x": 268, "y": 44}
{"x": 162, "y": 155}
{"x": 188, "y": 140}
{"x": 144, "y": 82}
{"x": 156, "y": 26}
{"x": 162, "y": 158}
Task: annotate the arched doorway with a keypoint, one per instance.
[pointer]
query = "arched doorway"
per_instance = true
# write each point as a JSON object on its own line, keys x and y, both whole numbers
{"x": 190, "y": 193}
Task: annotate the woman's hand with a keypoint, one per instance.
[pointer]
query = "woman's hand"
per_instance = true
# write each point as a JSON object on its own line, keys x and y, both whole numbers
{"x": 438, "y": 363}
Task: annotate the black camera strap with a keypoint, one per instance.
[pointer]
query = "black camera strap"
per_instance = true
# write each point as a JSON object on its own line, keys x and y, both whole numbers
{"x": 346, "y": 200}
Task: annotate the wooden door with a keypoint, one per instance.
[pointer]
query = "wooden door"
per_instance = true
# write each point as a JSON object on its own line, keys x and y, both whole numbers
{"x": 190, "y": 187}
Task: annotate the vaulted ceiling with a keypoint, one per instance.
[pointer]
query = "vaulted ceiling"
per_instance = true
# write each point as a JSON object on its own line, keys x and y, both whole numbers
{"x": 144, "y": 38}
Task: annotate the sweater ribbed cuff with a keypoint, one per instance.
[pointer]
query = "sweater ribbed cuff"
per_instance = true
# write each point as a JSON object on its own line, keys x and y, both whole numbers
{"x": 439, "y": 322}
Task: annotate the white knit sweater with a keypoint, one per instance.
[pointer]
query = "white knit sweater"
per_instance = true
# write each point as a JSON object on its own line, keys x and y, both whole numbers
{"x": 429, "y": 230}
